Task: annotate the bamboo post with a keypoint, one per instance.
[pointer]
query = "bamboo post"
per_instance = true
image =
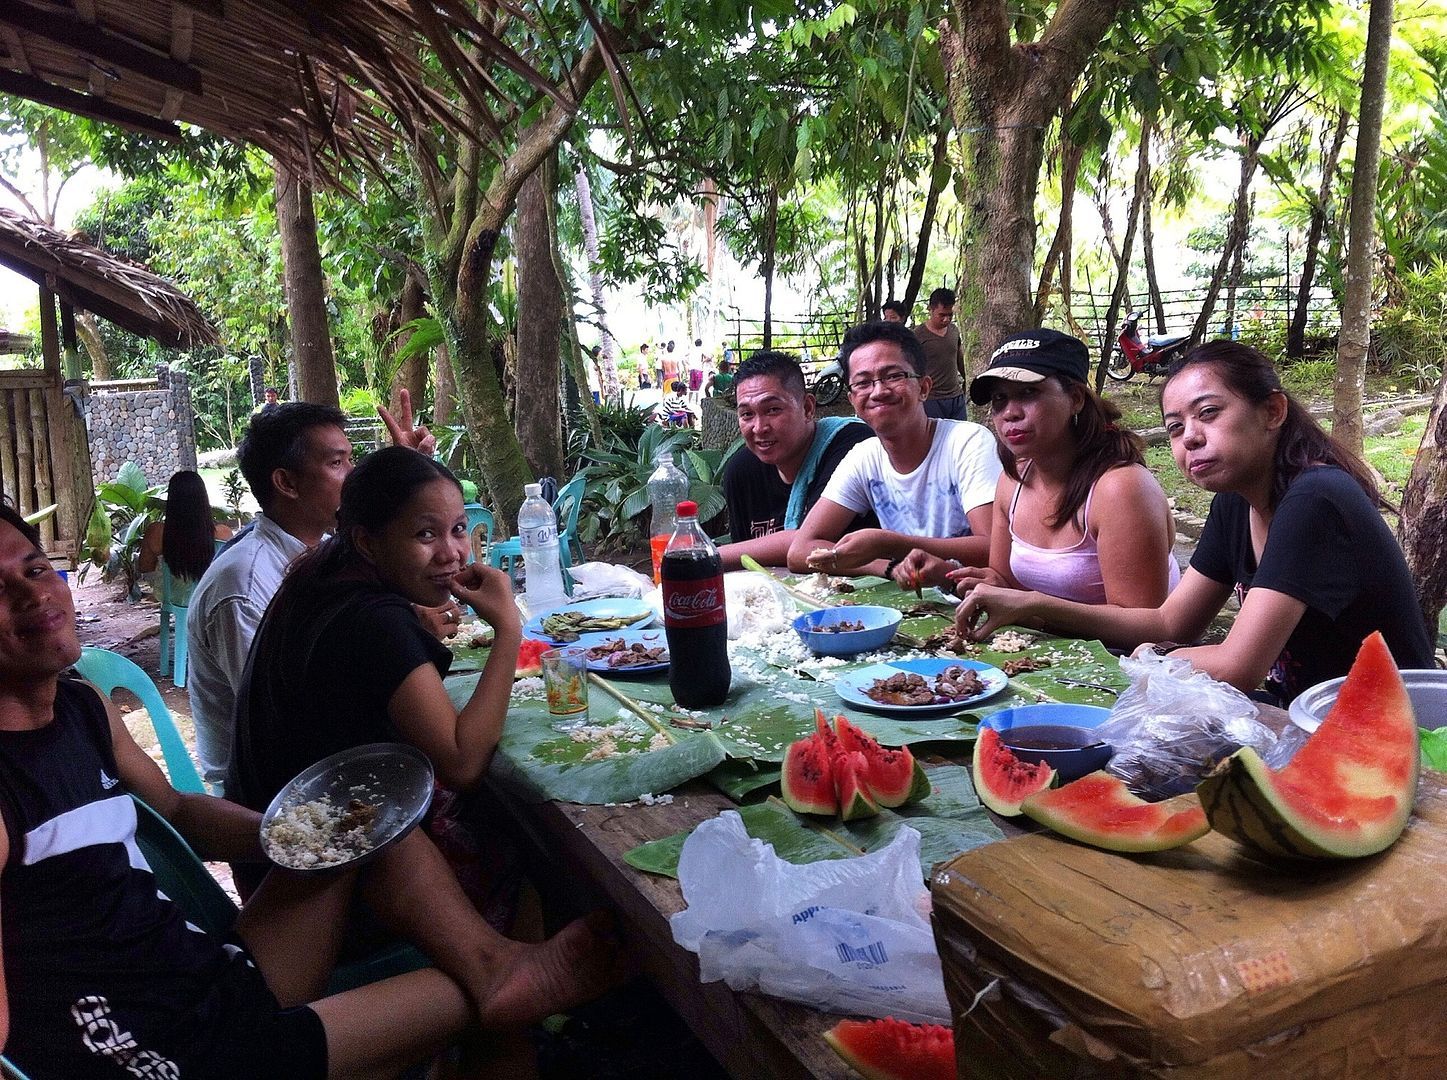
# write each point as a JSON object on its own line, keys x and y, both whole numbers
{"x": 9, "y": 477}
{"x": 24, "y": 490}
{"x": 40, "y": 449}
{"x": 49, "y": 338}
{"x": 60, "y": 421}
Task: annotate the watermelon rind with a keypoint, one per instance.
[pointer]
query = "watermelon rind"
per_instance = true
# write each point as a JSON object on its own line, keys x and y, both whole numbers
{"x": 1347, "y": 793}
{"x": 1003, "y": 781}
{"x": 891, "y": 1049}
{"x": 807, "y": 780}
{"x": 1099, "y": 810}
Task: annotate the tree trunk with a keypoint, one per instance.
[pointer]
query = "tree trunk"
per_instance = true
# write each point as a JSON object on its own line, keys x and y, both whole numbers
{"x": 1233, "y": 279}
{"x": 766, "y": 267}
{"x": 607, "y": 350}
{"x": 1235, "y": 236}
{"x": 412, "y": 375}
{"x": 1424, "y": 513}
{"x": 311, "y": 340}
{"x": 89, "y": 333}
{"x": 1148, "y": 253}
{"x": 1296, "y": 332}
{"x": 540, "y": 323}
{"x": 1356, "y": 318}
{"x": 1122, "y": 270}
{"x": 876, "y": 292}
{"x": 1058, "y": 257}
{"x": 1002, "y": 98}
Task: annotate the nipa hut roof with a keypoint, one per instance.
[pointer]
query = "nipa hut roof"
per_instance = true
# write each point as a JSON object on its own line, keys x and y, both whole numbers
{"x": 315, "y": 84}
{"x": 88, "y": 278}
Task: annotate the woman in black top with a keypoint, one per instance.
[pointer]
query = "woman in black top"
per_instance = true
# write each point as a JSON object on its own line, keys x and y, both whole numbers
{"x": 342, "y": 658}
{"x": 1294, "y": 530}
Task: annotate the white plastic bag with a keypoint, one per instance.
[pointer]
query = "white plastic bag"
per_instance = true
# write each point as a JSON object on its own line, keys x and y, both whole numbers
{"x": 597, "y": 579}
{"x": 849, "y": 935}
{"x": 1173, "y": 724}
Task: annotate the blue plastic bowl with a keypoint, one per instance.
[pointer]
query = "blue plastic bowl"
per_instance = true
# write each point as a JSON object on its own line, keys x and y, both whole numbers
{"x": 880, "y": 623}
{"x": 1083, "y": 752}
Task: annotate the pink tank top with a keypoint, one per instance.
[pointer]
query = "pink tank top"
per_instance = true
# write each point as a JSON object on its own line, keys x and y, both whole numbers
{"x": 1071, "y": 573}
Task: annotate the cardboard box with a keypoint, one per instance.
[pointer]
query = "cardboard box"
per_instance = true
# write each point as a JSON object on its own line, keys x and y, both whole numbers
{"x": 1204, "y": 962}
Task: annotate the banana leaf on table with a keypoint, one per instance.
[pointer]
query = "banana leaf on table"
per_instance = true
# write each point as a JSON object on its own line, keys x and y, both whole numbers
{"x": 949, "y": 820}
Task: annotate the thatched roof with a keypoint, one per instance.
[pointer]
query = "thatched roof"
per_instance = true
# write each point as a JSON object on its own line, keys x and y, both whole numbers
{"x": 316, "y": 84}
{"x": 112, "y": 287}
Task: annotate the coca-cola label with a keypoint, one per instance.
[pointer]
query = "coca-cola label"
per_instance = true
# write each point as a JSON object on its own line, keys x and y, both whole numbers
{"x": 694, "y": 603}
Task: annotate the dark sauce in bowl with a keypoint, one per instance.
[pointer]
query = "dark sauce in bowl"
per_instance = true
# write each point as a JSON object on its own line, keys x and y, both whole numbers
{"x": 1048, "y": 737}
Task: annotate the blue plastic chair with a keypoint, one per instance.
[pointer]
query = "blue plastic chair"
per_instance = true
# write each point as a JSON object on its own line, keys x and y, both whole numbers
{"x": 182, "y": 876}
{"x": 110, "y": 670}
{"x": 175, "y": 596}
{"x": 479, "y": 517}
{"x": 9, "y": 1070}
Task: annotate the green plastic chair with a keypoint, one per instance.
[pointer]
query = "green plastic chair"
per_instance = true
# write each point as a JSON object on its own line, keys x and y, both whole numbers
{"x": 175, "y": 596}
{"x": 110, "y": 670}
{"x": 182, "y": 876}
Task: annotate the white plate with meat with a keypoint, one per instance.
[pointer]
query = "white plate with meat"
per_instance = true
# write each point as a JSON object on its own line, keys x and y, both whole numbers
{"x": 933, "y": 685}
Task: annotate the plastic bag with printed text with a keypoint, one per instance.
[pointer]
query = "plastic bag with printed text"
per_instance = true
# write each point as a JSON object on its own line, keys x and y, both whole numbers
{"x": 1173, "y": 724}
{"x": 847, "y": 936}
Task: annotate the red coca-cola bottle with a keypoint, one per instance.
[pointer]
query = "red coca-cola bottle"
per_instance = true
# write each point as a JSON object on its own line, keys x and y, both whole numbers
{"x": 693, "y": 615}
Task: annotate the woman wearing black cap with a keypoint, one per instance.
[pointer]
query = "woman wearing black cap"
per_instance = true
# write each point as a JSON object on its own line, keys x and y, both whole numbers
{"x": 1086, "y": 520}
{"x": 1295, "y": 531}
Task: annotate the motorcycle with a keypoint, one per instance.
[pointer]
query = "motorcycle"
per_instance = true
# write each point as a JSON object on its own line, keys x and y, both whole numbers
{"x": 829, "y": 385}
{"x": 1151, "y": 357}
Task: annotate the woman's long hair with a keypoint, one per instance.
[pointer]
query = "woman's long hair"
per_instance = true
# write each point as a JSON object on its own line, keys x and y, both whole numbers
{"x": 1101, "y": 444}
{"x": 372, "y": 496}
{"x": 1302, "y": 441}
{"x": 188, "y": 536}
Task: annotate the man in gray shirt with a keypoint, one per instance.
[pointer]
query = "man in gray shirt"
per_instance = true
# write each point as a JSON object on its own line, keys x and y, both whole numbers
{"x": 944, "y": 358}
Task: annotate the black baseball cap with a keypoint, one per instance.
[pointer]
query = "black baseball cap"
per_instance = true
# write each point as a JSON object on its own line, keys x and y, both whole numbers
{"x": 1031, "y": 357}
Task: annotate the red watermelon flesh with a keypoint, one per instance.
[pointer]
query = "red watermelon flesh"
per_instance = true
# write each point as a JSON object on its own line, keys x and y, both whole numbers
{"x": 807, "y": 780}
{"x": 855, "y": 800}
{"x": 891, "y": 1049}
{"x": 1003, "y": 781}
{"x": 1101, "y": 811}
{"x": 892, "y": 776}
{"x": 1348, "y": 792}
{"x": 530, "y": 658}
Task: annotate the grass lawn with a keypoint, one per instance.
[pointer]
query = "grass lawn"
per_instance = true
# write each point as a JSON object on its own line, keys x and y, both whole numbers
{"x": 1391, "y": 455}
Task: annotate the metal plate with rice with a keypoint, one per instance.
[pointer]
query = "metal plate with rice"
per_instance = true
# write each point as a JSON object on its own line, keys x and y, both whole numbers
{"x": 347, "y": 808}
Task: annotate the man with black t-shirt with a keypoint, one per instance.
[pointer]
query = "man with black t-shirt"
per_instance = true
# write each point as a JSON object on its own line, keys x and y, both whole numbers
{"x": 788, "y": 455}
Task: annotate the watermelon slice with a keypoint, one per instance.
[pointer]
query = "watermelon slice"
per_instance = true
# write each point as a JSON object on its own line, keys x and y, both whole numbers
{"x": 807, "y": 780}
{"x": 855, "y": 799}
{"x": 1347, "y": 793}
{"x": 891, "y": 1049}
{"x": 1101, "y": 811}
{"x": 893, "y": 777}
{"x": 530, "y": 658}
{"x": 1003, "y": 781}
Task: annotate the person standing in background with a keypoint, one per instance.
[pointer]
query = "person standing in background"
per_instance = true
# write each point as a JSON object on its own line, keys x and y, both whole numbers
{"x": 894, "y": 311}
{"x": 944, "y": 358}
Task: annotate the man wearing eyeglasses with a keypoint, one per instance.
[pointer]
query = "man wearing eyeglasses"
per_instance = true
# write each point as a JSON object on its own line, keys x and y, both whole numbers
{"x": 930, "y": 481}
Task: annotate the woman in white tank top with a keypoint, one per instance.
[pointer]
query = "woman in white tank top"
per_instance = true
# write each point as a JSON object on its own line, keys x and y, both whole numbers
{"x": 1086, "y": 519}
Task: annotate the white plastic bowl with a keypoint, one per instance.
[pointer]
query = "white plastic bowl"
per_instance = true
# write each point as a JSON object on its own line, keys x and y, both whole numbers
{"x": 1427, "y": 687}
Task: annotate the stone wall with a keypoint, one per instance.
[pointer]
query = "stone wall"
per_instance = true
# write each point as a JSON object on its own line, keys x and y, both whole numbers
{"x": 154, "y": 426}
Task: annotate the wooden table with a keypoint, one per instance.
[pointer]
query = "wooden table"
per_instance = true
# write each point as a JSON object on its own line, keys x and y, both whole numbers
{"x": 750, "y": 1035}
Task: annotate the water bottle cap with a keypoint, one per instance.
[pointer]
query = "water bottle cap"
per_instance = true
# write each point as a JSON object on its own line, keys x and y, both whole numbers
{"x": 533, "y": 491}
{"x": 688, "y": 508}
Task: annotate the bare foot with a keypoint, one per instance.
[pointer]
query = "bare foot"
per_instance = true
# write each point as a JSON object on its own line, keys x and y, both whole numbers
{"x": 575, "y": 965}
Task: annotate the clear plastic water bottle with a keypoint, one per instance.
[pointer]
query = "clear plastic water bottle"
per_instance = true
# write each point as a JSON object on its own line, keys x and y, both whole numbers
{"x": 538, "y": 533}
{"x": 695, "y": 620}
{"x": 667, "y": 487}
